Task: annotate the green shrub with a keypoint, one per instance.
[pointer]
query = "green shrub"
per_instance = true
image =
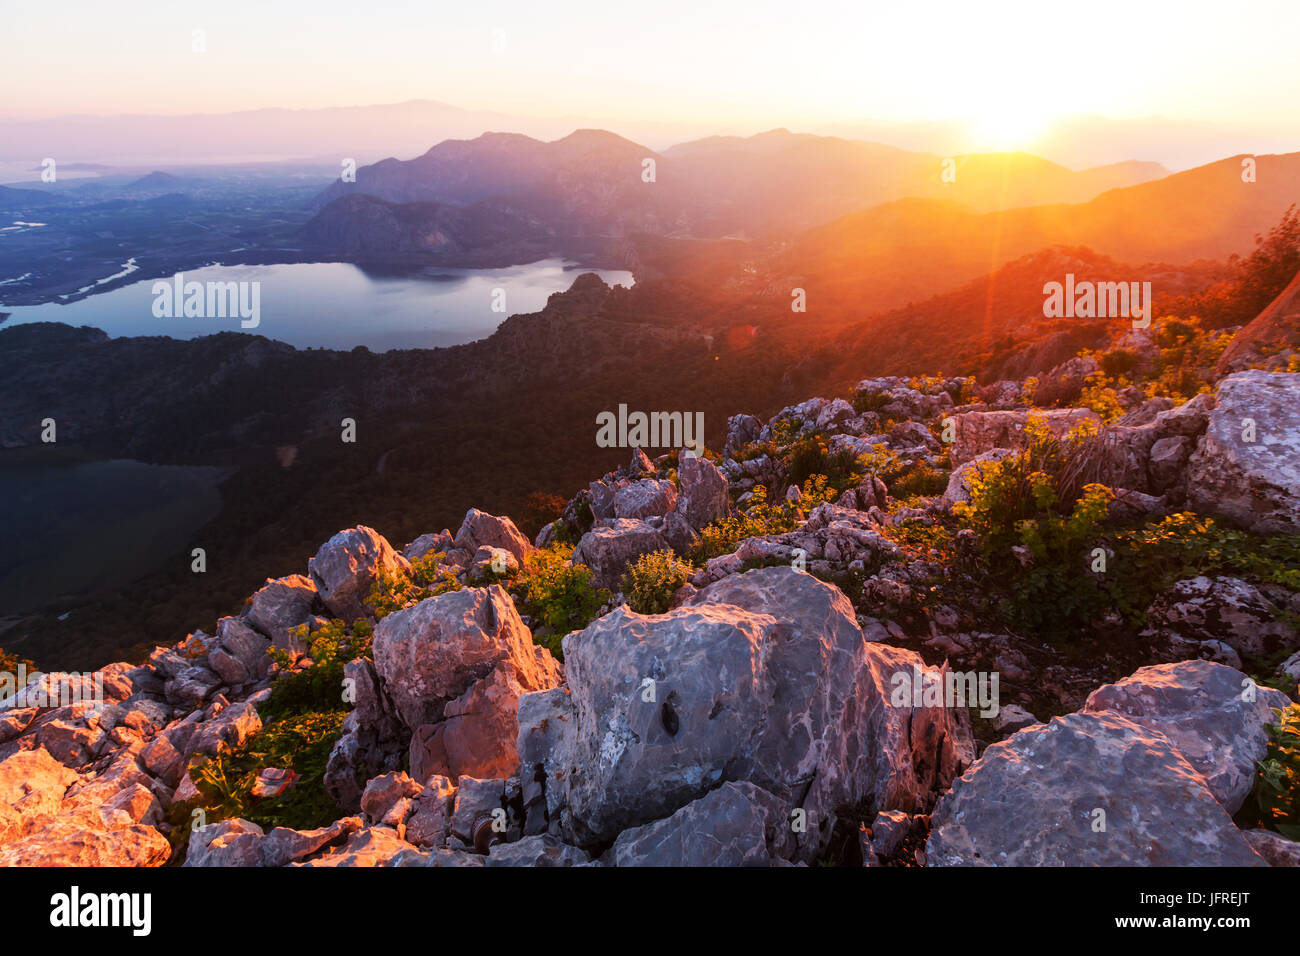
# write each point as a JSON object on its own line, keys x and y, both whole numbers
{"x": 919, "y": 480}
{"x": 1117, "y": 362}
{"x": 650, "y": 580}
{"x": 318, "y": 688}
{"x": 1101, "y": 397}
{"x": 1276, "y": 797}
{"x": 1186, "y": 353}
{"x": 559, "y": 595}
{"x": 1187, "y": 545}
{"x": 864, "y": 402}
{"x": 903, "y": 479}
{"x": 811, "y": 455}
{"x": 1026, "y": 501}
{"x": 760, "y": 517}
{"x": 301, "y": 743}
{"x": 395, "y": 590}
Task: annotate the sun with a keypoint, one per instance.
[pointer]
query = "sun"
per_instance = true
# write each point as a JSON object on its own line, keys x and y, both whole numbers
{"x": 1005, "y": 129}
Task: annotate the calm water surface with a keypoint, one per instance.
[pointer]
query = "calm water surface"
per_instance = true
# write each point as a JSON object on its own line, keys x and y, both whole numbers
{"x": 334, "y": 305}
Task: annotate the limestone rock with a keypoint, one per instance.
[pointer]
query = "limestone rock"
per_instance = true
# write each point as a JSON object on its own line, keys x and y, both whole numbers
{"x": 1247, "y": 465}
{"x": 608, "y": 548}
{"x": 704, "y": 493}
{"x": 1034, "y": 800}
{"x": 480, "y": 528}
{"x": 346, "y": 566}
{"x": 1215, "y": 716}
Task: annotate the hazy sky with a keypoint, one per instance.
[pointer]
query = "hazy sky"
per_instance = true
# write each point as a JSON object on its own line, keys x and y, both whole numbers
{"x": 1004, "y": 67}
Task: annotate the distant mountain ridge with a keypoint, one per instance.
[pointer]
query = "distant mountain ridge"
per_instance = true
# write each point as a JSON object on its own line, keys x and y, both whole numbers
{"x": 596, "y": 182}
{"x": 362, "y": 226}
{"x": 904, "y": 251}
{"x": 589, "y": 182}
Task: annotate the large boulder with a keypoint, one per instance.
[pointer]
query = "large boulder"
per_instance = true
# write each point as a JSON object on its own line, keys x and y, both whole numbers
{"x": 649, "y": 497}
{"x": 281, "y": 605}
{"x": 480, "y": 528}
{"x": 1247, "y": 465}
{"x": 977, "y": 432}
{"x": 763, "y": 677}
{"x": 1224, "y": 609}
{"x": 32, "y": 785}
{"x": 453, "y": 667}
{"x": 240, "y": 655}
{"x": 737, "y": 824}
{"x": 431, "y": 543}
{"x": 609, "y": 547}
{"x": 741, "y": 431}
{"x": 704, "y": 494}
{"x": 1087, "y": 789}
{"x": 346, "y": 566}
{"x": 1214, "y": 715}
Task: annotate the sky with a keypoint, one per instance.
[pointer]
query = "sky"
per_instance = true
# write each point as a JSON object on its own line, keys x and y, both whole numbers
{"x": 1004, "y": 69}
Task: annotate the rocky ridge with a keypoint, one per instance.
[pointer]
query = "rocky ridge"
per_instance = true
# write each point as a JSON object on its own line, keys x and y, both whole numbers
{"x": 758, "y": 720}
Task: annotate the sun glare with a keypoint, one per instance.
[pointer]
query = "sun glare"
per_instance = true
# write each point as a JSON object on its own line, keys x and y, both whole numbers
{"x": 999, "y": 130}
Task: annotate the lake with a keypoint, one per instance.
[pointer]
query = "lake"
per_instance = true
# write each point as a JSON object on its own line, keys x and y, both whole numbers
{"x": 334, "y": 305}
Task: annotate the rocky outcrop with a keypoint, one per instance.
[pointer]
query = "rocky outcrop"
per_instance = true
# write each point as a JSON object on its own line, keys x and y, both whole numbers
{"x": 764, "y": 677}
{"x": 832, "y": 538}
{"x": 283, "y": 605}
{"x": 346, "y": 566}
{"x": 610, "y": 546}
{"x": 1246, "y": 467}
{"x": 1088, "y": 789}
{"x": 977, "y": 432}
{"x": 480, "y": 528}
{"x": 704, "y": 493}
{"x": 765, "y": 719}
{"x": 1270, "y": 335}
{"x": 742, "y": 430}
{"x": 649, "y": 497}
{"x": 1215, "y": 716}
{"x": 449, "y": 673}
{"x": 1224, "y": 610}
{"x": 962, "y": 479}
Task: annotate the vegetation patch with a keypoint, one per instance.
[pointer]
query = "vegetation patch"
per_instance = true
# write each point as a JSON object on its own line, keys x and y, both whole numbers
{"x": 650, "y": 581}
{"x": 559, "y": 596}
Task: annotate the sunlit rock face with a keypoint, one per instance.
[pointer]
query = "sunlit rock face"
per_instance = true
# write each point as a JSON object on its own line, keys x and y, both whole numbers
{"x": 1088, "y": 789}
{"x": 764, "y": 677}
{"x": 1214, "y": 715}
{"x": 1247, "y": 465}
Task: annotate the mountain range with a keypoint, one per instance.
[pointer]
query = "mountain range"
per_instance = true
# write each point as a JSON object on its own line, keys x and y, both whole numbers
{"x": 594, "y": 181}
